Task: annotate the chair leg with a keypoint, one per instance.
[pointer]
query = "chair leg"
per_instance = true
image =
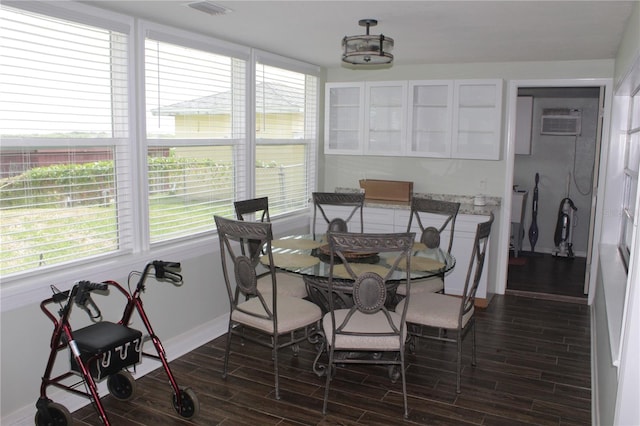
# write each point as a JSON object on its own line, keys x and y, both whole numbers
{"x": 473, "y": 342}
{"x": 404, "y": 385}
{"x": 226, "y": 352}
{"x": 275, "y": 365}
{"x": 459, "y": 366}
{"x": 329, "y": 373}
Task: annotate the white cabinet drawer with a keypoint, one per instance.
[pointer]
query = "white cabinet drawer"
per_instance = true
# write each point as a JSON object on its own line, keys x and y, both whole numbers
{"x": 378, "y": 220}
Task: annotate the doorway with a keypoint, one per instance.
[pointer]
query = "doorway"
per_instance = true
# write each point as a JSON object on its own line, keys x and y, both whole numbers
{"x": 555, "y": 169}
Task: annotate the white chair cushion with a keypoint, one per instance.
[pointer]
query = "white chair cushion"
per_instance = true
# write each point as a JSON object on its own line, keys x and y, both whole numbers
{"x": 287, "y": 284}
{"x": 293, "y": 313}
{"x": 426, "y": 285}
{"x": 434, "y": 310}
{"x": 361, "y": 322}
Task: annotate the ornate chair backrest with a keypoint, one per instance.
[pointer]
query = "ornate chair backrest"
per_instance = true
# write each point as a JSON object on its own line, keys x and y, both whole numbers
{"x": 430, "y": 235}
{"x": 259, "y": 207}
{"x": 476, "y": 266}
{"x": 240, "y": 269}
{"x": 353, "y": 200}
{"x": 256, "y": 209}
{"x": 370, "y": 287}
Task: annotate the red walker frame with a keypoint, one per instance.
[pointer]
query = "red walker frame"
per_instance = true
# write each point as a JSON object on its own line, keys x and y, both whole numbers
{"x": 184, "y": 399}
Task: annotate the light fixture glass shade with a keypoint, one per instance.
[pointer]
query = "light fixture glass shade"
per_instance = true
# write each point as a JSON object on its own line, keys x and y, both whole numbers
{"x": 367, "y": 49}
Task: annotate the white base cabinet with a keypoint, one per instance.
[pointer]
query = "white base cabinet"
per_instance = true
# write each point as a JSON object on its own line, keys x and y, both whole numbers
{"x": 378, "y": 219}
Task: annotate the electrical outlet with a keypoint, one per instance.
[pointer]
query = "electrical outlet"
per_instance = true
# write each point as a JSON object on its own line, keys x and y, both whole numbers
{"x": 483, "y": 184}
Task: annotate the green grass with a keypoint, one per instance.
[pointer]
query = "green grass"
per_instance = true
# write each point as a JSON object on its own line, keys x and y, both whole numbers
{"x": 30, "y": 238}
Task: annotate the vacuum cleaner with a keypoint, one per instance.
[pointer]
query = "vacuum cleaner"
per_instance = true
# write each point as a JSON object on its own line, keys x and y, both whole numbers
{"x": 563, "y": 237}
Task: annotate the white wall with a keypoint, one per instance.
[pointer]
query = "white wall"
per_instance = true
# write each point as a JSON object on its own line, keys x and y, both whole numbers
{"x": 616, "y": 391}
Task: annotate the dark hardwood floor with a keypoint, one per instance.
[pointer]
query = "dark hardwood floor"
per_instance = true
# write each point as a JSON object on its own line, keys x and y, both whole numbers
{"x": 544, "y": 275}
{"x": 533, "y": 368}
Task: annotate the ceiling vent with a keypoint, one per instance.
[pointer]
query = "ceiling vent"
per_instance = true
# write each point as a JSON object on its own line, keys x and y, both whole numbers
{"x": 561, "y": 121}
{"x": 208, "y": 7}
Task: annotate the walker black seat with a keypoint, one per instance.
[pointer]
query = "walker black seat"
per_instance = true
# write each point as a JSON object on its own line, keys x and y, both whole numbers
{"x": 112, "y": 346}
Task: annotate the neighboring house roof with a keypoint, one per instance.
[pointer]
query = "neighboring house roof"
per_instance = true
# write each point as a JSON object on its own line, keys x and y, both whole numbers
{"x": 275, "y": 98}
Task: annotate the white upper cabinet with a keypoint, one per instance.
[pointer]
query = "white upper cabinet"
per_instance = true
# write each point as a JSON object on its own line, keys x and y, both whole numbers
{"x": 477, "y": 119}
{"x": 385, "y": 117}
{"x": 365, "y": 118}
{"x": 344, "y": 118}
{"x": 430, "y": 118}
{"x": 433, "y": 118}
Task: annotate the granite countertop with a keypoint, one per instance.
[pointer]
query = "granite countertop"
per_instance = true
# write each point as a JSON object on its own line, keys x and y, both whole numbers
{"x": 466, "y": 202}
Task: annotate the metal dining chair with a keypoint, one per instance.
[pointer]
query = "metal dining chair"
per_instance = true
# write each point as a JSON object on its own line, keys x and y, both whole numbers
{"x": 445, "y": 213}
{"x": 366, "y": 326}
{"x": 353, "y": 201}
{"x": 429, "y": 313}
{"x": 254, "y": 208}
{"x": 257, "y": 209}
{"x": 280, "y": 320}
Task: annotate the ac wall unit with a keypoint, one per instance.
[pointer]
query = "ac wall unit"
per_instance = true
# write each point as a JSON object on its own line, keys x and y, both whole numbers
{"x": 561, "y": 121}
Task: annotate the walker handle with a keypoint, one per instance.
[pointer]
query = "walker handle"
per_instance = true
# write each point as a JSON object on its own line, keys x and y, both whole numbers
{"x": 83, "y": 297}
{"x": 163, "y": 271}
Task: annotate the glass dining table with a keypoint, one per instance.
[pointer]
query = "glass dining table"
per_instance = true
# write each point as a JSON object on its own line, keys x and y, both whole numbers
{"x": 303, "y": 255}
{"x": 310, "y": 258}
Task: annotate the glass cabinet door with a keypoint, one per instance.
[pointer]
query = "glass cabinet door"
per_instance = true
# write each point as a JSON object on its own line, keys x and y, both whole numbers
{"x": 344, "y": 117}
{"x": 429, "y": 122}
{"x": 477, "y": 115}
{"x": 385, "y": 118}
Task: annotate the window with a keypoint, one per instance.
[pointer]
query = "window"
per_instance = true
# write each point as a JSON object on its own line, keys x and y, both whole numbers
{"x": 64, "y": 128}
{"x": 83, "y": 176}
{"x": 631, "y": 169}
{"x": 196, "y": 132}
{"x": 286, "y": 116}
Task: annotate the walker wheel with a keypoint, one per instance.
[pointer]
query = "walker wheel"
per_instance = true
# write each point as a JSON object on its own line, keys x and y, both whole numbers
{"x": 59, "y": 414}
{"x": 121, "y": 385}
{"x": 190, "y": 405}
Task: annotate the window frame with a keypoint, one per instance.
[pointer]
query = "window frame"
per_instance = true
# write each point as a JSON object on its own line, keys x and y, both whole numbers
{"x": 629, "y": 203}
{"x": 170, "y": 35}
{"x": 120, "y": 142}
{"x": 311, "y": 130}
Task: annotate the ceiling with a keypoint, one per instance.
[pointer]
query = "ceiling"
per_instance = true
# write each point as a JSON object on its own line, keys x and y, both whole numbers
{"x": 425, "y": 32}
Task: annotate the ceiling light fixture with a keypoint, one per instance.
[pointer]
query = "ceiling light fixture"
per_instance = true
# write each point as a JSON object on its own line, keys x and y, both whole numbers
{"x": 367, "y": 49}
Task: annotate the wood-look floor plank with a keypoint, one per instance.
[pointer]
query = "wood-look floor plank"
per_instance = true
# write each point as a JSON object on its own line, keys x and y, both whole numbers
{"x": 533, "y": 367}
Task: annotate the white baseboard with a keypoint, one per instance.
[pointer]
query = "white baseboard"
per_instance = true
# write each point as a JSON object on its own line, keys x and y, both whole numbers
{"x": 174, "y": 348}
{"x": 595, "y": 404}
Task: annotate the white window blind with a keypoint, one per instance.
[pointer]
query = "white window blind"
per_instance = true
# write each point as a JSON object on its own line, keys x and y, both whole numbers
{"x": 59, "y": 78}
{"x": 64, "y": 128}
{"x": 286, "y": 134}
{"x": 196, "y": 121}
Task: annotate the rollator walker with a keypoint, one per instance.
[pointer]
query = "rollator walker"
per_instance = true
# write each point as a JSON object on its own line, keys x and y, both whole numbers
{"x": 104, "y": 350}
